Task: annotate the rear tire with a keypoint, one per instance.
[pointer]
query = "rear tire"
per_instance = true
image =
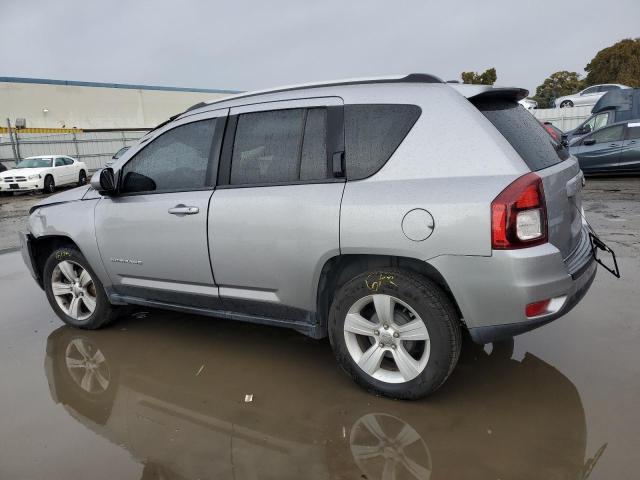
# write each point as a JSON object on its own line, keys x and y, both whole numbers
{"x": 49, "y": 184}
{"x": 395, "y": 333}
{"x": 75, "y": 292}
{"x": 82, "y": 178}
{"x": 566, "y": 103}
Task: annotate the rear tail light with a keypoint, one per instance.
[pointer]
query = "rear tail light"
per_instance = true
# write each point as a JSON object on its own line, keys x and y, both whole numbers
{"x": 519, "y": 215}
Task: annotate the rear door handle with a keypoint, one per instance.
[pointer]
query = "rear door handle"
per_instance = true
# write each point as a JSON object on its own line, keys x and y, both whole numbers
{"x": 183, "y": 210}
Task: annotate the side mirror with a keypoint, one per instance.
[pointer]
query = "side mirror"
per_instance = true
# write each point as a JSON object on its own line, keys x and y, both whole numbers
{"x": 103, "y": 181}
{"x": 589, "y": 141}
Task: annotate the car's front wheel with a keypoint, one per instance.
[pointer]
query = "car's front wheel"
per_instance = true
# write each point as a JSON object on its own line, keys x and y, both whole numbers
{"x": 75, "y": 292}
{"x": 49, "y": 184}
{"x": 395, "y": 333}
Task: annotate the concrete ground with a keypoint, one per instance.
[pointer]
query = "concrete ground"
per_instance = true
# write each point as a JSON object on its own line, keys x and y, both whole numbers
{"x": 167, "y": 395}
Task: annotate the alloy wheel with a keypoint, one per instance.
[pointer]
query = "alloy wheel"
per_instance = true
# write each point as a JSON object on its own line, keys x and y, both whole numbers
{"x": 387, "y": 338}
{"x": 74, "y": 290}
{"x": 87, "y": 366}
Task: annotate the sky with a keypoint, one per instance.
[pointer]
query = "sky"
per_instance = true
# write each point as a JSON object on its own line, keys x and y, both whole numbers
{"x": 247, "y": 45}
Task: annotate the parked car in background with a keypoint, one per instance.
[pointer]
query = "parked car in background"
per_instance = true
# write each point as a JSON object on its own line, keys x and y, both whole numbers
{"x": 588, "y": 96}
{"x": 328, "y": 209}
{"x": 613, "y": 149}
{"x": 528, "y": 103}
{"x": 43, "y": 173}
{"x": 616, "y": 106}
{"x": 116, "y": 156}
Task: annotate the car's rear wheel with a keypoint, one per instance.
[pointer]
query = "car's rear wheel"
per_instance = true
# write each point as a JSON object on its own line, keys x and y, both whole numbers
{"x": 75, "y": 292}
{"x": 395, "y": 333}
{"x": 566, "y": 103}
{"x": 49, "y": 184}
{"x": 82, "y": 178}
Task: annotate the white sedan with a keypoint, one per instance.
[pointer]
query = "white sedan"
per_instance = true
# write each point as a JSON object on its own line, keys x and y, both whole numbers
{"x": 43, "y": 173}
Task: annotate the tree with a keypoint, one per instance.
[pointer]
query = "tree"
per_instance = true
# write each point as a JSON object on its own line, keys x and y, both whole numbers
{"x": 488, "y": 77}
{"x": 556, "y": 85}
{"x": 619, "y": 63}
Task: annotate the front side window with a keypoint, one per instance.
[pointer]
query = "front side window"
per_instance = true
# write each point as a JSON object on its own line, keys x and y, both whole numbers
{"x": 176, "y": 160}
{"x": 280, "y": 146}
{"x": 372, "y": 133}
{"x": 600, "y": 121}
{"x": 610, "y": 134}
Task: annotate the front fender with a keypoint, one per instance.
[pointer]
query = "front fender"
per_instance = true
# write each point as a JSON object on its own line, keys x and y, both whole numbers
{"x": 73, "y": 220}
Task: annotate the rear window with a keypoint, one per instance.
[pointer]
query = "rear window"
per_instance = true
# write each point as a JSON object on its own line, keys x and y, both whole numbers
{"x": 372, "y": 134}
{"x": 525, "y": 134}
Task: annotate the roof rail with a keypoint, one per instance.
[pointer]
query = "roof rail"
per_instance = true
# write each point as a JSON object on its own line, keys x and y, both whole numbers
{"x": 410, "y": 78}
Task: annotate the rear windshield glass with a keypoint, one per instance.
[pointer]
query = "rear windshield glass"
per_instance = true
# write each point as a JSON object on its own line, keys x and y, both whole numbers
{"x": 525, "y": 134}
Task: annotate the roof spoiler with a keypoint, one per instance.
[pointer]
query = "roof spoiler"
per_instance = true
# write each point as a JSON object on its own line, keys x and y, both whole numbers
{"x": 488, "y": 92}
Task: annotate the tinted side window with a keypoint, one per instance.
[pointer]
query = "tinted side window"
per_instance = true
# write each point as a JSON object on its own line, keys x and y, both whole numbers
{"x": 524, "y": 133}
{"x": 590, "y": 90}
{"x": 600, "y": 121}
{"x": 633, "y": 131}
{"x": 372, "y": 134}
{"x": 59, "y": 162}
{"x": 610, "y": 134}
{"x": 608, "y": 88}
{"x": 176, "y": 160}
{"x": 67, "y": 161}
{"x": 313, "y": 163}
{"x": 267, "y": 146}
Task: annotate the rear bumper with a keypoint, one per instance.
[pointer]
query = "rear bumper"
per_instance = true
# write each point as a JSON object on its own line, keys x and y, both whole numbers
{"x": 493, "y": 292}
{"x": 28, "y": 255}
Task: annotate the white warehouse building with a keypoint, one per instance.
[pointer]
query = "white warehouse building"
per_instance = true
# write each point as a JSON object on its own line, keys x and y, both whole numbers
{"x": 87, "y": 120}
{"x": 57, "y": 104}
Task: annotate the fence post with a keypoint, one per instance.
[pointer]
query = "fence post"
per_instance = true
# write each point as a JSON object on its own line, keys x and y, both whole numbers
{"x": 124, "y": 139}
{"x": 75, "y": 144}
{"x": 16, "y": 157}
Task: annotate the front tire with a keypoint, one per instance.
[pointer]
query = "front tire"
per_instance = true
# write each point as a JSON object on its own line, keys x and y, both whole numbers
{"x": 395, "y": 333}
{"x": 75, "y": 292}
{"x": 49, "y": 184}
{"x": 566, "y": 103}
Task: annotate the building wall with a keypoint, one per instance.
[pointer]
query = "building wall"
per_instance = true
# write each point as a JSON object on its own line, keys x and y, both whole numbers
{"x": 94, "y": 106}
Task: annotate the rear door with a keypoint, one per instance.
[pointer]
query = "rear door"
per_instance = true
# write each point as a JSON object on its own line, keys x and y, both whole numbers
{"x": 600, "y": 151}
{"x": 588, "y": 96}
{"x": 153, "y": 235}
{"x": 274, "y": 217}
{"x": 60, "y": 174}
{"x": 630, "y": 153}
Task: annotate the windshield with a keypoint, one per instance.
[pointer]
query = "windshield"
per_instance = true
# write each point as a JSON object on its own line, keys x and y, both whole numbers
{"x": 34, "y": 163}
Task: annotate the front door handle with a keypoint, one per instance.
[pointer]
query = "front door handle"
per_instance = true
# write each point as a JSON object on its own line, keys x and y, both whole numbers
{"x": 183, "y": 210}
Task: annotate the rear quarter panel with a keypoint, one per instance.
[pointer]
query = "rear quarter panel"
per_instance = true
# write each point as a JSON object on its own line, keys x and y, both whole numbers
{"x": 452, "y": 163}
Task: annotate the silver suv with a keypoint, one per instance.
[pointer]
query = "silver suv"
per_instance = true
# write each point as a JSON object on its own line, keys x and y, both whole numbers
{"x": 390, "y": 215}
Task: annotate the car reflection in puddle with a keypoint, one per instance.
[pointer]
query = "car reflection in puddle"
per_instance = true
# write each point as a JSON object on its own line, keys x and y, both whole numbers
{"x": 171, "y": 390}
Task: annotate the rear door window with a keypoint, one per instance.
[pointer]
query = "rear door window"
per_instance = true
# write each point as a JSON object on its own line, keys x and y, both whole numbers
{"x": 524, "y": 133}
{"x": 280, "y": 146}
{"x": 373, "y": 133}
{"x": 633, "y": 131}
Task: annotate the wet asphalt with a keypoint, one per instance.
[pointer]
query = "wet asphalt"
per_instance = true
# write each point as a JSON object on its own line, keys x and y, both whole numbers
{"x": 162, "y": 395}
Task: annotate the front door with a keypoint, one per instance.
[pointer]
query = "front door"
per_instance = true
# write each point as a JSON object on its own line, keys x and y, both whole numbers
{"x": 600, "y": 150}
{"x": 274, "y": 217}
{"x": 152, "y": 235}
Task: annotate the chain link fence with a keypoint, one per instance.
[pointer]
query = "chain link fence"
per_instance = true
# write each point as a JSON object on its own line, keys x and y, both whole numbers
{"x": 94, "y": 147}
